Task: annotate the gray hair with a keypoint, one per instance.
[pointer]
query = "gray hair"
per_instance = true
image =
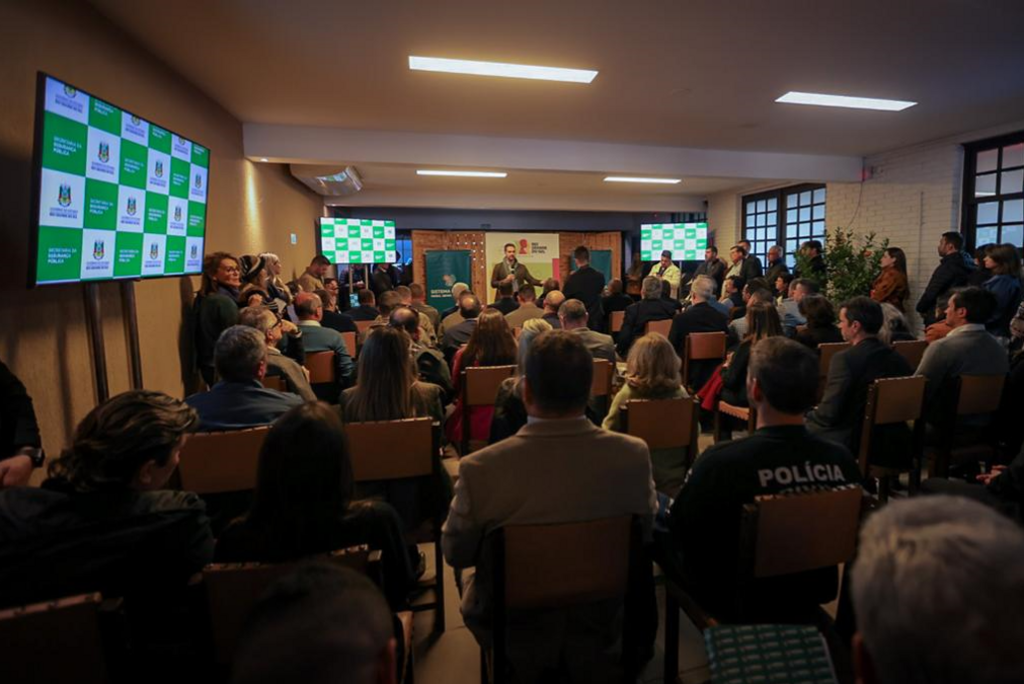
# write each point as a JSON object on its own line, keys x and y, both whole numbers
{"x": 270, "y": 258}
{"x": 651, "y": 287}
{"x": 572, "y": 310}
{"x": 259, "y": 317}
{"x": 938, "y": 591}
{"x": 531, "y": 328}
{"x": 239, "y": 352}
{"x": 893, "y": 320}
{"x": 704, "y": 287}
{"x": 458, "y": 289}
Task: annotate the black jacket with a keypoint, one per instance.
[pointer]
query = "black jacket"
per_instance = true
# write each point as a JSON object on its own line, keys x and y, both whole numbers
{"x": 638, "y": 316}
{"x": 18, "y": 427}
{"x": 339, "y": 321}
{"x": 954, "y": 270}
{"x": 364, "y": 312}
{"x": 774, "y": 271}
{"x": 505, "y": 305}
{"x": 381, "y": 282}
{"x": 812, "y": 337}
{"x": 715, "y": 269}
{"x": 586, "y": 285}
{"x": 619, "y": 302}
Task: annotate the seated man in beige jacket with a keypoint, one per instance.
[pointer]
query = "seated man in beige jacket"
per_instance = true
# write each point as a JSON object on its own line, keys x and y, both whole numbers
{"x": 558, "y": 468}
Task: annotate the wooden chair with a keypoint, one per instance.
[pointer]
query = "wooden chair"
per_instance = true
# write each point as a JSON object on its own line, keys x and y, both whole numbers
{"x": 554, "y": 566}
{"x": 321, "y": 367}
{"x": 601, "y": 382}
{"x": 232, "y": 589}
{"x": 479, "y": 387}
{"x": 351, "y": 343}
{"x": 976, "y": 395}
{"x": 701, "y": 347}
{"x": 275, "y": 382}
{"x": 779, "y": 535}
{"x": 408, "y": 449}
{"x": 54, "y": 641}
{"x": 744, "y": 414}
{"x": 911, "y": 350}
{"x": 662, "y": 327}
{"x": 892, "y": 401}
{"x": 826, "y": 350}
{"x": 616, "y": 319}
{"x": 664, "y": 423}
{"x": 363, "y": 326}
{"x": 219, "y": 462}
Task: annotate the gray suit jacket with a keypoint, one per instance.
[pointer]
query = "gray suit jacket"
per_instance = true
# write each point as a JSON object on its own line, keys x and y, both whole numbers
{"x": 971, "y": 351}
{"x": 599, "y": 345}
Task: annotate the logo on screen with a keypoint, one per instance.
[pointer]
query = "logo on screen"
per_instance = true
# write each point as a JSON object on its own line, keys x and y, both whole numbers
{"x": 136, "y": 120}
{"x": 69, "y": 91}
{"x": 154, "y": 251}
{"x": 524, "y": 246}
{"x": 159, "y": 170}
{"x": 64, "y": 195}
{"x": 199, "y": 181}
{"x": 131, "y": 206}
{"x": 104, "y": 152}
{"x": 195, "y": 251}
{"x": 97, "y": 250}
{"x": 177, "y": 213}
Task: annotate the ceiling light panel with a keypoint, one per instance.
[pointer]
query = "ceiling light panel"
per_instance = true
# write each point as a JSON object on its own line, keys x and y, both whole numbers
{"x": 461, "y": 174}
{"x": 631, "y": 179}
{"x": 474, "y": 68}
{"x": 823, "y": 100}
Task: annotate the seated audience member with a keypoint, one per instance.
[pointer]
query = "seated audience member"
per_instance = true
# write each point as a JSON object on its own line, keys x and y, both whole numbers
{"x": 386, "y": 303}
{"x": 429, "y": 330}
{"x": 1004, "y": 263}
{"x": 789, "y": 309}
{"x": 527, "y": 309}
{"x": 418, "y": 297}
{"x": 458, "y": 335}
{"x": 1017, "y": 329}
{"x": 320, "y": 624}
{"x": 894, "y": 326}
{"x": 617, "y": 300}
{"x": 366, "y": 311}
{"x": 839, "y": 415}
{"x": 334, "y": 319}
{"x": 821, "y": 323}
{"x": 666, "y": 270}
{"x": 522, "y": 480}
{"x": 1002, "y": 488}
{"x": 505, "y": 303}
{"x": 650, "y": 308}
{"x": 938, "y": 329}
{"x": 20, "y": 445}
{"x": 312, "y": 278}
{"x": 699, "y": 317}
{"x": 573, "y": 317}
{"x": 754, "y": 291}
{"x": 430, "y": 363}
{"x": 491, "y": 344}
{"x": 666, "y": 294}
{"x": 781, "y": 285}
{"x": 294, "y": 376}
{"x": 317, "y": 338}
{"x": 652, "y": 372}
{"x": 925, "y": 564}
{"x": 762, "y": 322}
{"x": 457, "y": 290}
{"x": 333, "y": 288}
{"x": 304, "y": 504}
{"x": 968, "y": 349}
{"x": 238, "y": 400}
{"x": 553, "y": 301}
{"x": 732, "y": 294}
{"x": 104, "y": 521}
{"x": 214, "y": 309}
{"x": 780, "y": 457}
{"x": 451, "y": 320}
{"x": 509, "y": 409}
{"x": 550, "y": 285}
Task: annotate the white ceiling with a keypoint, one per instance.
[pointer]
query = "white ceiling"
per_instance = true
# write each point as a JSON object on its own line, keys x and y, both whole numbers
{"x": 683, "y": 74}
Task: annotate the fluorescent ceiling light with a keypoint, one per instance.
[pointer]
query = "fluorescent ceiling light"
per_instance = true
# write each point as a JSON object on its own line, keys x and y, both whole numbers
{"x": 631, "y": 179}
{"x": 263, "y": 159}
{"x": 473, "y": 68}
{"x": 822, "y": 100}
{"x": 463, "y": 174}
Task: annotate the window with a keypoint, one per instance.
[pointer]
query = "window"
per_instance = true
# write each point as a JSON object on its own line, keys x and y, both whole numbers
{"x": 787, "y": 217}
{"x": 993, "y": 209}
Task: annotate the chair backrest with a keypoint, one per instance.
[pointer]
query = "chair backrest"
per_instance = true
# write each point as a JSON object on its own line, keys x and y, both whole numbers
{"x": 911, "y": 350}
{"x": 979, "y": 394}
{"x": 601, "y": 382}
{"x": 662, "y": 327}
{"x": 363, "y": 326}
{"x": 216, "y": 462}
{"x": 55, "y": 641}
{"x": 321, "y": 366}
{"x": 480, "y": 383}
{"x": 582, "y": 562}
{"x": 890, "y": 401}
{"x": 392, "y": 449}
{"x": 663, "y": 423}
{"x": 232, "y": 589}
{"x": 705, "y": 346}
{"x": 274, "y": 382}
{"x": 792, "y": 533}
{"x": 351, "y": 343}
{"x": 827, "y": 350}
{"x": 617, "y": 317}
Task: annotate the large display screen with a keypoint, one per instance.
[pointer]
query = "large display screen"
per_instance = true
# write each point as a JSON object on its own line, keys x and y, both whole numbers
{"x": 687, "y": 241}
{"x": 358, "y": 241}
{"x": 116, "y": 196}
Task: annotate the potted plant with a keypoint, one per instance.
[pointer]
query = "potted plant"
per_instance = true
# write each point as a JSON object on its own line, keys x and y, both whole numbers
{"x": 852, "y": 262}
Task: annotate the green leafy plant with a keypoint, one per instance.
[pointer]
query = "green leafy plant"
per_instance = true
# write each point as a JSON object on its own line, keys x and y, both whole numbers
{"x": 852, "y": 262}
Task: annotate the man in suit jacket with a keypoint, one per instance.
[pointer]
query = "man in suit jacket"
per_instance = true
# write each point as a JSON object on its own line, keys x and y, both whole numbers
{"x": 954, "y": 269}
{"x": 333, "y": 319}
{"x": 458, "y": 335}
{"x": 776, "y": 265}
{"x": 381, "y": 280}
{"x": 552, "y": 303}
{"x": 418, "y": 301}
{"x": 430, "y": 363}
{"x": 510, "y": 270}
{"x": 742, "y": 265}
{"x": 712, "y": 266}
{"x": 653, "y": 307}
{"x": 573, "y": 317}
{"x": 556, "y": 469}
{"x": 586, "y": 284}
{"x": 616, "y": 300}
{"x": 528, "y": 309}
{"x": 839, "y": 415}
{"x": 968, "y": 349}
{"x": 699, "y": 317}
{"x": 666, "y": 270}
{"x": 504, "y": 303}
{"x": 751, "y": 261}
{"x": 317, "y": 338}
{"x": 366, "y": 311}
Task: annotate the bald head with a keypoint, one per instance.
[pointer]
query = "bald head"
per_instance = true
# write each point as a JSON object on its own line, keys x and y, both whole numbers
{"x": 308, "y": 307}
{"x": 406, "y": 319}
{"x": 553, "y": 301}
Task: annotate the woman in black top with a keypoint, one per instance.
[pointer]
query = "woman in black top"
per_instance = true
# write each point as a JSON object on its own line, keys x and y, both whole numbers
{"x": 762, "y": 322}
{"x": 821, "y": 322}
{"x": 303, "y": 504}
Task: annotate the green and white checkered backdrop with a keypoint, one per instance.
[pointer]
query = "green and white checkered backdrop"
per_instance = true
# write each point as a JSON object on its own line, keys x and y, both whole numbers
{"x": 686, "y": 240}
{"x": 358, "y": 241}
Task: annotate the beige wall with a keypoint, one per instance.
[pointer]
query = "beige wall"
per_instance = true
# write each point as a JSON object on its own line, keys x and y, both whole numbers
{"x": 253, "y": 207}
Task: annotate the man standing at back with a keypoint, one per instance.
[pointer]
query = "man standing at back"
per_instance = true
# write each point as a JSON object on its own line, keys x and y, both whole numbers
{"x": 313, "y": 279}
{"x": 751, "y": 261}
{"x": 776, "y": 265}
{"x": 586, "y": 284}
{"x": 712, "y": 266}
{"x": 556, "y": 469}
{"x": 953, "y": 271}
{"x": 317, "y": 338}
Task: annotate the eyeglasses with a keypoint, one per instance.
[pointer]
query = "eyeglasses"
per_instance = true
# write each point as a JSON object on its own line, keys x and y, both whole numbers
{"x": 230, "y": 269}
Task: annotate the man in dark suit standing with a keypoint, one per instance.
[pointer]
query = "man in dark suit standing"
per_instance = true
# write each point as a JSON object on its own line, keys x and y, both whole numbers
{"x": 712, "y": 266}
{"x": 586, "y": 284}
{"x": 751, "y": 262}
{"x": 653, "y": 307}
{"x": 776, "y": 265}
{"x": 509, "y": 270}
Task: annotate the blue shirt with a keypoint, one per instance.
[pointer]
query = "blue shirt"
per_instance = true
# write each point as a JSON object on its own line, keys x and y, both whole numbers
{"x": 237, "y": 405}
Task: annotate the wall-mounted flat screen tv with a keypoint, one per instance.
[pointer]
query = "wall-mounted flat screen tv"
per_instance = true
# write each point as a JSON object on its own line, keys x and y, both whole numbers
{"x": 686, "y": 241}
{"x": 358, "y": 241}
{"x": 115, "y": 196}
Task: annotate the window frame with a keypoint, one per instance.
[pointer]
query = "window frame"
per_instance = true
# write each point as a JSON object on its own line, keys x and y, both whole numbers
{"x": 783, "y": 226}
{"x": 969, "y": 202}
